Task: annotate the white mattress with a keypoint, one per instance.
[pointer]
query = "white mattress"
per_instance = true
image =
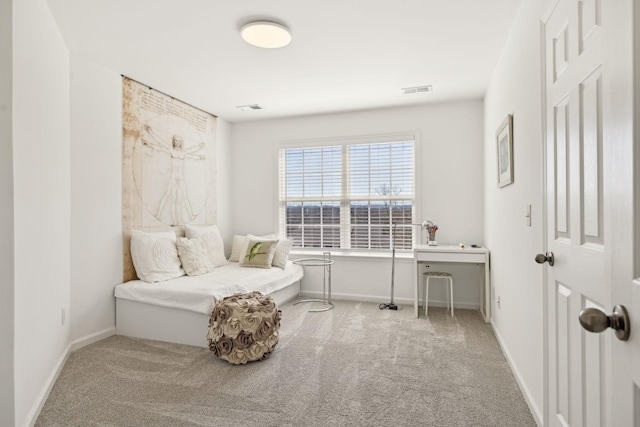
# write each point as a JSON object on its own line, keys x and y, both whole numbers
{"x": 199, "y": 293}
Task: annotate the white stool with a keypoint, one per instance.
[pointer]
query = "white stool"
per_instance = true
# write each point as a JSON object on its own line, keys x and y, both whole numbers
{"x": 437, "y": 275}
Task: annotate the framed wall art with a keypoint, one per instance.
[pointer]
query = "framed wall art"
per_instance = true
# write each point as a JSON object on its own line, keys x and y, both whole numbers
{"x": 504, "y": 141}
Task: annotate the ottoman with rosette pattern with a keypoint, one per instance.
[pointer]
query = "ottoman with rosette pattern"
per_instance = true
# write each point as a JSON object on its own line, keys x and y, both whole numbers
{"x": 244, "y": 327}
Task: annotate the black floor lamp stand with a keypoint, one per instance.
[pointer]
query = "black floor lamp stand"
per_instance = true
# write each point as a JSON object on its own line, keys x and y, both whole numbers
{"x": 391, "y": 305}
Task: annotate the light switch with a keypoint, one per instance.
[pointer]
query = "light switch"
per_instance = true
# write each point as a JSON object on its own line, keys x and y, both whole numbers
{"x": 528, "y": 215}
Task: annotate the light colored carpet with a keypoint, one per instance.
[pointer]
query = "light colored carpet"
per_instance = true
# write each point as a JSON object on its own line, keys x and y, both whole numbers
{"x": 355, "y": 365}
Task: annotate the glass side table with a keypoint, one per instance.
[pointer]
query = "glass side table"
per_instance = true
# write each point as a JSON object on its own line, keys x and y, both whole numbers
{"x": 326, "y": 262}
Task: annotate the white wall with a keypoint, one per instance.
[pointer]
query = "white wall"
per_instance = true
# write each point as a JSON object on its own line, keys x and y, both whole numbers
{"x": 449, "y": 166}
{"x": 224, "y": 181}
{"x": 516, "y": 278}
{"x": 41, "y": 167}
{"x": 96, "y": 196}
{"x": 6, "y": 217}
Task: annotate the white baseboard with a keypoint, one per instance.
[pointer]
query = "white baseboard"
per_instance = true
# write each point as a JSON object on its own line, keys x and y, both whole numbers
{"x": 91, "y": 338}
{"x": 379, "y": 299}
{"x": 533, "y": 408}
{"x": 32, "y": 417}
{"x": 74, "y": 345}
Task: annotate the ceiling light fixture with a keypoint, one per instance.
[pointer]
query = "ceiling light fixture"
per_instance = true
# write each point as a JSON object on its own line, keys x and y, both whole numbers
{"x": 265, "y": 34}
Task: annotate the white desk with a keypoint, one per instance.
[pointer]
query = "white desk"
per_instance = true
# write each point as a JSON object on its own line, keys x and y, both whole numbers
{"x": 423, "y": 254}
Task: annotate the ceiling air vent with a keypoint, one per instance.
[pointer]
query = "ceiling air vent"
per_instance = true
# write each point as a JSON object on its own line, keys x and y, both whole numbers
{"x": 249, "y": 107}
{"x": 416, "y": 89}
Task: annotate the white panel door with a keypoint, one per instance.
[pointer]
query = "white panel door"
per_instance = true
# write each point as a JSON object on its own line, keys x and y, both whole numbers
{"x": 590, "y": 216}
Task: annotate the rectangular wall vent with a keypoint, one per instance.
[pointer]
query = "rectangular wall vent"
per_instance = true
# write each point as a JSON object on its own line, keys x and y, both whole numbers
{"x": 416, "y": 89}
{"x": 249, "y": 107}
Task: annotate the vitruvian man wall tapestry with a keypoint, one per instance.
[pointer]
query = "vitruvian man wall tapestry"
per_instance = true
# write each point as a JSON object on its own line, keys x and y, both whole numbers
{"x": 168, "y": 164}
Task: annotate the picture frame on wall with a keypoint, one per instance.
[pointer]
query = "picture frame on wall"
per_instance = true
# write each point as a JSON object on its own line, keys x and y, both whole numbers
{"x": 504, "y": 145}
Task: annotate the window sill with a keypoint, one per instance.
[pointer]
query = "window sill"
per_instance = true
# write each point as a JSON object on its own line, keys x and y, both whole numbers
{"x": 350, "y": 254}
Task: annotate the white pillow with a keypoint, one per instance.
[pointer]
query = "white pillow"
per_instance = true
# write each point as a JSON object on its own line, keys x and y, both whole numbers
{"x": 281, "y": 256}
{"x": 259, "y": 253}
{"x": 239, "y": 245}
{"x": 155, "y": 256}
{"x": 212, "y": 239}
{"x": 194, "y": 256}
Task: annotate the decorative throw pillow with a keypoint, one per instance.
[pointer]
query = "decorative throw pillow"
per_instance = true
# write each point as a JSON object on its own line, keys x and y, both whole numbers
{"x": 212, "y": 239}
{"x": 259, "y": 253}
{"x": 248, "y": 237}
{"x": 194, "y": 255}
{"x": 281, "y": 255}
{"x": 239, "y": 242}
{"x": 155, "y": 256}
{"x": 239, "y": 245}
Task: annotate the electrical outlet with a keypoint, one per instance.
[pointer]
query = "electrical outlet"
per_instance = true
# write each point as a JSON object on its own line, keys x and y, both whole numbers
{"x": 64, "y": 317}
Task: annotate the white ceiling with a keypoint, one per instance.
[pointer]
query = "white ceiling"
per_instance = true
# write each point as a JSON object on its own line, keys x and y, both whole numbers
{"x": 345, "y": 54}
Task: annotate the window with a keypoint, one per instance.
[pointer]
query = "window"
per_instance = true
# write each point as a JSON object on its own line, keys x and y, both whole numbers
{"x": 348, "y": 195}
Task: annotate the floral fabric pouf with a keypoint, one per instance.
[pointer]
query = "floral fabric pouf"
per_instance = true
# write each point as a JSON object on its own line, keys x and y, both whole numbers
{"x": 244, "y": 327}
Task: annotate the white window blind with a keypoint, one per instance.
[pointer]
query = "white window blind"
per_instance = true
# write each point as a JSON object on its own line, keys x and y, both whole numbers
{"x": 348, "y": 195}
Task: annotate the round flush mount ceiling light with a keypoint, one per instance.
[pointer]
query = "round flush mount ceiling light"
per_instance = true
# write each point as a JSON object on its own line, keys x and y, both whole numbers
{"x": 265, "y": 34}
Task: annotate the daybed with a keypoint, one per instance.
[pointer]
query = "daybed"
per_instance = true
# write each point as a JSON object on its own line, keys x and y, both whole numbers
{"x": 178, "y": 309}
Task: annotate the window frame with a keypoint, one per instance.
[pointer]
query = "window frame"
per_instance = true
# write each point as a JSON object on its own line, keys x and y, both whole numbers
{"x": 345, "y": 220}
